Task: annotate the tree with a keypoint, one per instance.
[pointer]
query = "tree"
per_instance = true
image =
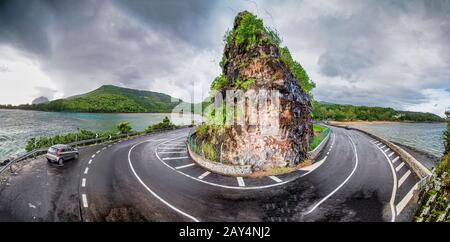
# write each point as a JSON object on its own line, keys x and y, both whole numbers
{"x": 124, "y": 127}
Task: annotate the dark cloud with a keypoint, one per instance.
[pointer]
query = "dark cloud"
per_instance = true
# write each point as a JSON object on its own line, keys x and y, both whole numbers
{"x": 359, "y": 52}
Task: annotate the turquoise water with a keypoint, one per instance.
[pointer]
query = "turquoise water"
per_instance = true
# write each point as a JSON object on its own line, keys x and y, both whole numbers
{"x": 16, "y": 126}
{"x": 427, "y": 137}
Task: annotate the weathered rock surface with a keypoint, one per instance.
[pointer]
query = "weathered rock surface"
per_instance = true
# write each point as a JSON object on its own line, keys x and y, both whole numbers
{"x": 275, "y": 129}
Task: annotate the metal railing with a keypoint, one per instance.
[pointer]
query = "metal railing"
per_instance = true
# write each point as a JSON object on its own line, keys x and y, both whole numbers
{"x": 40, "y": 151}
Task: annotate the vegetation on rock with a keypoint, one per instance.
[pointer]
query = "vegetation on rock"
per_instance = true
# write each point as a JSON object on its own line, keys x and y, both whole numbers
{"x": 320, "y": 132}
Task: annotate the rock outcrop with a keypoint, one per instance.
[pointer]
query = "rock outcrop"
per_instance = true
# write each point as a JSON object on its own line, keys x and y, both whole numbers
{"x": 270, "y": 112}
{"x": 40, "y": 100}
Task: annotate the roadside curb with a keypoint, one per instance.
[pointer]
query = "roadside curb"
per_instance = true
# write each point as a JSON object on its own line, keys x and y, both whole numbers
{"x": 228, "y": 170}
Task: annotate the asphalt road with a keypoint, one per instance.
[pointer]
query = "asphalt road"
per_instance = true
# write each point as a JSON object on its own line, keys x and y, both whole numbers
{"x": 152, "y": 179}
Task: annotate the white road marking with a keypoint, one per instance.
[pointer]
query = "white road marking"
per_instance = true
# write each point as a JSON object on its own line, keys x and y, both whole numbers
{"x": 379, "y": 145}
{"x": 86, "y": 170}
{"x": 399, "y": 166}
{"x": 403, "y": 178}
{"x": 328, "y": 152}
{"x": 386, "y": 150}
{"x": 276, "y": 179}
{"x": 177, "y": 149}
{"x": 394, "y": 186}
{"x": 93, "y": 156}
{"x": 150, "y": 190}
{"x": 173, "y": 152}
{"x": 90, "y": 161}
{"x": 98, "y": 152}
{"x": 109, "y": 145}
{"x": 316, "y": 165}
{"x": 240, "y": 181}
{"x": 84, "y": 198}
{"x": 181, "y": 167}
{"x": 342, "y": 184}
{"x": 175, "y": 158}
{"x": 382, "y": 147}
{"x": 204, "y": 175}
{"x": 174, "y": 147}
{"x": 104, "y": 148}
{"x": 391, "y": 154}
{"x": 402, "y": 204}
{"x": 396, "y": 159}
{"x": 83, "y": 182}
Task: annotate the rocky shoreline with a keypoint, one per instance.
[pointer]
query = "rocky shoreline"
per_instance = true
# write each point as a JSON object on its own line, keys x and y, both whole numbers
{"x": 428, "y": 160}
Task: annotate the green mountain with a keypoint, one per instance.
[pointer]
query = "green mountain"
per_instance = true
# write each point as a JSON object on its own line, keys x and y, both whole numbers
{"x": 339, "y": 112}
{"x": 113, "y": 99}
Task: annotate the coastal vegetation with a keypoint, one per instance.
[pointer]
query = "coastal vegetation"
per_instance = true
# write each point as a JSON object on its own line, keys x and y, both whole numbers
{"x": 110, "y": 99}
{"x": 83, "y": 135}
{"x": 338, "y": 112}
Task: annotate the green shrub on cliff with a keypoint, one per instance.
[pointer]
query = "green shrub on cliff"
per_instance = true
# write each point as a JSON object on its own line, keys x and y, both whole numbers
{"x": 251, "y": 31}
{"x": 297, "y": 70}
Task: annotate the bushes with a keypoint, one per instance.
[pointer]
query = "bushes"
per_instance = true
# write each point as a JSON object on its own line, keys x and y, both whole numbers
{"x": 43, "y": 142}
{"x": 297, "y": 70}
{"x": 165, "y": 124}
{"x": 124, "y": 127}
{"x": 320, "y": 132}
{"x": 251, "y": 31}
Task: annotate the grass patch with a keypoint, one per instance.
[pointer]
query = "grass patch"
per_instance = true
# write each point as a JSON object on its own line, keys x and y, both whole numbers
{"x": 320, "y": 132}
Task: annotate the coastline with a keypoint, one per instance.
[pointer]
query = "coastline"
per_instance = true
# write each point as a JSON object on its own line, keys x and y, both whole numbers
{"x": 362, "y": 122}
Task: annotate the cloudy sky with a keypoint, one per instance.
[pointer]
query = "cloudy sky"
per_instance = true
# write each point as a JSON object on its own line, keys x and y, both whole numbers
{"x": 385, "y": 53}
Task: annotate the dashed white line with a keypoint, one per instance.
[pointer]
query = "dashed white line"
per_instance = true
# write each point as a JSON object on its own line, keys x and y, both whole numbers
{"x": 84, "y": 198}
{"x": 93, "y": 156}
{"x": 391, "y": 154}
{"x": 396, "y": 159}
{"x": 175, "y": 158}
{"x": 240, "y": 181}
{"x": 104, "y": 148}
{"x": 83, "y": 182}
{"x": 204, "y": 175}
{"x": 399, "y": 166}
{"x": 90, "y": 161}
{"x": 402, "y": 204}
{"x": 98, "y": 152}
{"x": 276, "y": 179}
{"x": 185, "y": 166}
{"x": 386, "y": 150}
{"x": 86, "y": 170}
{"x": 403, "y": 178}
{"x": 382, "y": 147}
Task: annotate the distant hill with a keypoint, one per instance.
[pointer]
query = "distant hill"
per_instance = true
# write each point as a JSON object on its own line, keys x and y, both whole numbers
{"x": 40, "y": 100}
{"x": 339, "y": 112}
{"x": 113, "y": 99}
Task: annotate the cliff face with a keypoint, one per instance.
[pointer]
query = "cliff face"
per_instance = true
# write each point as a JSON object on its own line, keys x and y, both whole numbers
{"x": 272, "y": 115}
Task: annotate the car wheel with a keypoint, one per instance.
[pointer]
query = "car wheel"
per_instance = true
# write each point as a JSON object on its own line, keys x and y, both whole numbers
{"x": 61, "y": 162}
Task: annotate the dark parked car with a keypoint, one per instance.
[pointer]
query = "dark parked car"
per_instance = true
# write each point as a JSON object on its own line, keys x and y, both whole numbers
{"x": 60, "y": 153}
